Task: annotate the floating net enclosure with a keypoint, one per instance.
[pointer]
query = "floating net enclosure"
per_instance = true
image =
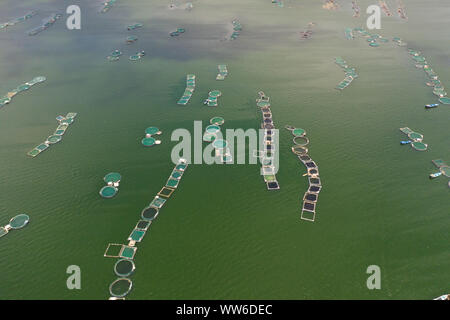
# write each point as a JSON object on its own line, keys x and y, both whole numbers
{"x": 112, "y": 177}
{"x": 158, "y": 202}
{"x": 212, "y": 129}
{"x": 120, "y": 287}
{"x": 149, "y": 213}
{"x": 301, "y": 141}
{"x": 217, "y": 121}
{"x": 220, "y": 144}
{"x": 124, "y": 267}
{"x": 166, "y": 192}
{"x": 19, "y": 221}
{"x": 298, "y": 132}
{"x": 108, "y": 191}
{"x": 445, "y": 100}
{"x": 143, "y": 224}
{"x": 209, "y": 137}
{"x": 136, "y": 235}
{"x": 419, "y": 146}
{"x": 54, "y": 139}
{"x": 148, "y": 142}
{"x": 152, "y": 130}
{"x": 128, "y": 252}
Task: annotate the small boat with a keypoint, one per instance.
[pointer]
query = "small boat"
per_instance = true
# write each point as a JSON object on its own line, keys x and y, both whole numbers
{"x": 429, "y": 106}
{"x": 405, "y": 142}
{"x": 435, "y": 175}
{"x": 443, "y": 297}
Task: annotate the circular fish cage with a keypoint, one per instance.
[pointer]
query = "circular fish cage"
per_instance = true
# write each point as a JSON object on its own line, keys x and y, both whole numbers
{"x": 149, "y": 213}
{"x": 299, "y": 150}
{"x": 124, "y": 267}
{"x": 54, "y": 139}
{"x": 217, "y": 121}
{"x": 209, "y": 137}
{"x": 120, "y": 287}
{"x": 108, "y": 192}
{"x": 112, "y": 177}
{"x": 148, "y": 142}
{"x": 23, "y": 87}
{"x": 419, "y": 146}
{"x": 152, "y": 130}
{"x": 298, "y": 132}
{"x": 220, "y": 144}
{"x": 290, "y": 128}
{"x": 301, "y": 141}
{"x": 415, "y": 136}
{"x": 19, "y": 221}
{"x": 212, "y": 129}
{"x": 445, "y": 170}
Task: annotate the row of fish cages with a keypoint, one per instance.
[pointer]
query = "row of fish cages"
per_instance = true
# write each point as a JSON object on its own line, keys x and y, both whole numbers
{"x": 48, "y": 22}
{"x": 350, "y": 74}
{"x": 125, "y": 265}
{"x": 267, "y": 155}
{"x": 433, "y": 78}
{"x": 189, "y": 91}
{"x": 300, "y": 149}
{"x": 6, "y": 99}
{"x": 64, "y": 123}
{"x": 15, "y": 21}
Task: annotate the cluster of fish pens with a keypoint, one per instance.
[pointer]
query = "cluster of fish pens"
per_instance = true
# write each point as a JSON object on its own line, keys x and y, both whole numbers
{"x": 266, "y": 155}
{"x": 444, "y": 170}
{"x": 64, "y": 123}
{"x": 223, "y": 72}
{"x": 312, "y": 171}
{"x": 112, "y": 181}
{"x": 23, "y": 87}
{"x": 350, "y": 74}
{"x": 416, "y": 139}
{"x": 125, "y": 266}
{"x": 189, "y": 91}
{"x": 213, "y": 96}
{"x": 148, "y": 140}
{"x": 214, "y": 135}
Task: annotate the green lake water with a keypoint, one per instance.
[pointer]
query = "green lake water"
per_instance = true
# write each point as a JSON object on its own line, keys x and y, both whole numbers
{"x": 222, "y": 235}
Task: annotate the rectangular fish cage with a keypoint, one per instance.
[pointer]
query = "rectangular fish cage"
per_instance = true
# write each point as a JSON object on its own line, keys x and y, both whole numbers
{"x": 166, "y": 192}
{"x": 113, "y": 250}
{"x": 143, "y": 225}
{"x": 127, "y": 252}
{"x": 439, "y": 163}
{"x": 137, "y": 235}
{"x": 157, "y": 202}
